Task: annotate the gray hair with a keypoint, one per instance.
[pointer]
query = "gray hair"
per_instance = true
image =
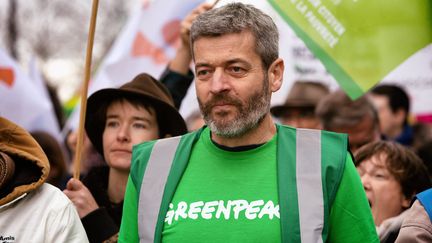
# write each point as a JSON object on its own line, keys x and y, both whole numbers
{"x": 235, "y": 18}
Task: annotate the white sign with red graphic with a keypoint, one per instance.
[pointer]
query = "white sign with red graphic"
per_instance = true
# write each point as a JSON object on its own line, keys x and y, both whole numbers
{"x": 146, "y": 44}
{"x": 22, "y": 102}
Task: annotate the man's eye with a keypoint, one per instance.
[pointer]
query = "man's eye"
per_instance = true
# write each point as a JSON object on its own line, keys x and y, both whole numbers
{"x": 202, "y": 72}
{"x": 237, "y": 69}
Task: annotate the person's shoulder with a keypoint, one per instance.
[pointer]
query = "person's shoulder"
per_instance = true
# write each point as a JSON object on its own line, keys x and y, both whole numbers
{"x": 416, "y": 226}
{"x": 49, "y": 197}
{"x": 146, "y": 144}
{"x": 149, "y": 144}
{"x": 55, "y": 193}
{"x": 281, "y": 127}
{"x": 417, "y": 215}
{"x": 285, "y": 128}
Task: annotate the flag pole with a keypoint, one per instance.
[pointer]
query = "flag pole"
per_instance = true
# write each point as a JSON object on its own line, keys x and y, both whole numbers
{"x": 83, "y": 107}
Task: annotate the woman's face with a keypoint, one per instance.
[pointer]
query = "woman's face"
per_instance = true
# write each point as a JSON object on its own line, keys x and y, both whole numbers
{"x": 382, "y": 189}
{"x": 125, "y": 126}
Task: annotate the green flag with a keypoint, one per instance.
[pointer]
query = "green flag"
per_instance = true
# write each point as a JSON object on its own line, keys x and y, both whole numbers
{"x": 360, "y": 41}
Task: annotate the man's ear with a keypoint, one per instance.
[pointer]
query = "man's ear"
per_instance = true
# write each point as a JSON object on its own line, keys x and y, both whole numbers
{"x": 275, "y": 74}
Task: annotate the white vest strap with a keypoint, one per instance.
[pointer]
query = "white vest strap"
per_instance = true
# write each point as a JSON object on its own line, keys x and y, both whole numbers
{"x": 153, "y": 185}
{"x": 309, "y": 185}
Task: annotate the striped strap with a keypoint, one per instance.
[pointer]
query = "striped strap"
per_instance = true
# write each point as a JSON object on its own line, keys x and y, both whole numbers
{"x": 153, "y": 185}
{"x": 309, "y": 185}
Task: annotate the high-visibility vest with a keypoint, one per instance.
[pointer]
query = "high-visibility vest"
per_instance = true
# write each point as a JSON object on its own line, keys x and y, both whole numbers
{"x": 310, "y": 168}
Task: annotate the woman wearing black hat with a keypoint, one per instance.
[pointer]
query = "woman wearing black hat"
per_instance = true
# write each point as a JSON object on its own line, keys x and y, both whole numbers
{"x": 141, "y": 110}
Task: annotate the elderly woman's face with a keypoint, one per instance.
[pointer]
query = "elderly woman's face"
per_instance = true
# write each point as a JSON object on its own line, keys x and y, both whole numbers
{"x": 382, "y": 189}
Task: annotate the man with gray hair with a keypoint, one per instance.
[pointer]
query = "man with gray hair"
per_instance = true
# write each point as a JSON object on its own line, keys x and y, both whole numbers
{"x": 243, "y": 178}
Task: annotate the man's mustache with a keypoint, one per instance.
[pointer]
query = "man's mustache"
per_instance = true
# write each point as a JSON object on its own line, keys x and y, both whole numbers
{"x": 222, "y": 99}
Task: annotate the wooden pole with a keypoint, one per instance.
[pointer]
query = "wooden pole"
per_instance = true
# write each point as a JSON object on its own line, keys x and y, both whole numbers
{"x": 83, "y": 107}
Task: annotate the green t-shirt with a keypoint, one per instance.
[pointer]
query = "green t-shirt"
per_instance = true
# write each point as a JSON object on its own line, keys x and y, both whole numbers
{"x": 350, "y": 217}
{"x": 223, "y": 191}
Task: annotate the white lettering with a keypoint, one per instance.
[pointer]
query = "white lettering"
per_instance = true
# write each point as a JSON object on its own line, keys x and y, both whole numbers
{"x": 225, "y": 210}
{"x": 240, "y": 205}
{"x": 331, "y": 20}
{"x": 301, "y": 7}
{"x": 181, "y": 210}
{"x": 269, "y": 209}
{"x": 170, "y": 214}
{"x": 253, "y": 209}
{"x": 321, "y": 29}
{"x": 195, "y": 209}
{"x": 208, "y": 209}
{"x": 315, "y": 3}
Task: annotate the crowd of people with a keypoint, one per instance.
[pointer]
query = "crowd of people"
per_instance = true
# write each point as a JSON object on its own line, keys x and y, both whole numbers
{"x": 318, "y": 168}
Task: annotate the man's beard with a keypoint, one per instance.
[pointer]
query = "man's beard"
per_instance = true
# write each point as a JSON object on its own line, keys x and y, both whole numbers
{"x": 248, "y": 115}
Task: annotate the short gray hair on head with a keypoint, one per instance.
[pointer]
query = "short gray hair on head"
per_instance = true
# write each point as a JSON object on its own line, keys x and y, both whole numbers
{"x": 235, "y": 18}
{"x": 337, "y": 110}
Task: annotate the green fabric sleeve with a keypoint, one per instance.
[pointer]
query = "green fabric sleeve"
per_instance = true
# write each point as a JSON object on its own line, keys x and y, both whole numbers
{"x": 350, "y": 216}
{"x": 129, "y": 223}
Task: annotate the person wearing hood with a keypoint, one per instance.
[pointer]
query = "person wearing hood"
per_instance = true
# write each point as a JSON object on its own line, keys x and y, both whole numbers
{"x": 117, "y": 119}
{"x": 31, "y": 210}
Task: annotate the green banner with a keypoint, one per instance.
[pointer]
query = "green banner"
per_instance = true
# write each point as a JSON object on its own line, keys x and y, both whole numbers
{"x": 360, "y": 41}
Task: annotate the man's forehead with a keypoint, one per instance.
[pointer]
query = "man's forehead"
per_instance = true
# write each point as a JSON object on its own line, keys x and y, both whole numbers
{"x": 226, "y": 49}
{"x": 239, "y": 39}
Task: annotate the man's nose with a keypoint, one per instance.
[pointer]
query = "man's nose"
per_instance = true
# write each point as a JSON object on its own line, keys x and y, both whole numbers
{"x": 220, "y": 81}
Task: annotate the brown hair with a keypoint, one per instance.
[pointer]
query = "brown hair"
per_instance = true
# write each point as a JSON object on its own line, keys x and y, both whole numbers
{"x": 408, "y": 169}
{"x": 338, "y": 110}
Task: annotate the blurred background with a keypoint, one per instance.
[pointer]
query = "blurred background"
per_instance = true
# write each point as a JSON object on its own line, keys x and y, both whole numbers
{"x": 44, "y": 43}
{"x": 54, "y": 34}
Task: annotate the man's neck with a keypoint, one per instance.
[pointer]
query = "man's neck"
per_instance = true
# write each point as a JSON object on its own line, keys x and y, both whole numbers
{"x": 258, "y": 135}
